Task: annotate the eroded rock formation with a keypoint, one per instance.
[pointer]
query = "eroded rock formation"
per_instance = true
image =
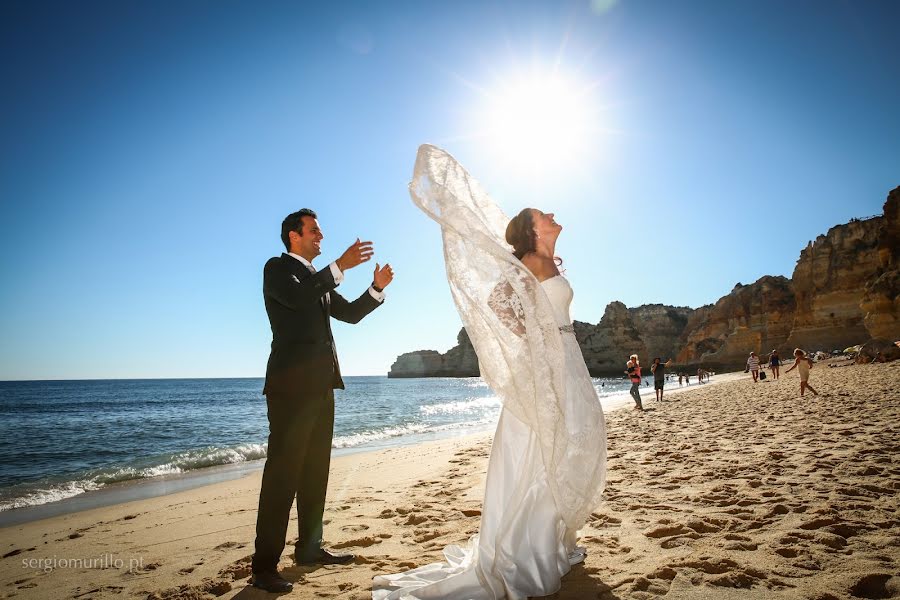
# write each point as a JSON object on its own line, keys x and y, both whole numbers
{"x": 459, "y": 361}
{"x": 829, "y": 280}
{"x": 607, "y": 345}
{"x": 881, "y": 305}
{"x": 660, "y": 326}
{"x": 755, "y": 317}
{"x": 881, "y": 300}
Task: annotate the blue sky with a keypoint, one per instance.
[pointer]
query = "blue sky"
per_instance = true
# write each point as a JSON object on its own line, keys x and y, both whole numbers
{"x": 150, "y": 151}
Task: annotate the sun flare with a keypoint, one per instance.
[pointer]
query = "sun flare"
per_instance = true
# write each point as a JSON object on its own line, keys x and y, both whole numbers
{"x": 538, "y": 123}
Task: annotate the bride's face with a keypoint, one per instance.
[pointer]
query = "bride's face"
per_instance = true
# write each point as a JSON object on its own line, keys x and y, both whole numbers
{"x": 545, "y": 225}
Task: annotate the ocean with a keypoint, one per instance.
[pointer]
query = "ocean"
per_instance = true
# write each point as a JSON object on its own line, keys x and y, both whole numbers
{"x": 60, "y": 439}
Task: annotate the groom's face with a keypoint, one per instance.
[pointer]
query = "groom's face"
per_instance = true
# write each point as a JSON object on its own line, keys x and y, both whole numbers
{"x": 310, "y": 238}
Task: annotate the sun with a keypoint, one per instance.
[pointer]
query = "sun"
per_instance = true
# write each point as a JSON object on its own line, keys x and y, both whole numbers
{"x": 538, "y": 123}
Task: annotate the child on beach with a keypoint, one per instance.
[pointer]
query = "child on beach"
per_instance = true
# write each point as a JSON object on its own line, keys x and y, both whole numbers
{"x": 804, "y": 363}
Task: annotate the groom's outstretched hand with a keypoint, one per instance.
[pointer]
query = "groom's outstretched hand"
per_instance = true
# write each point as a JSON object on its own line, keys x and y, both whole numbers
{"x": 383, "y": 276}
{"x": 358, "y": 253}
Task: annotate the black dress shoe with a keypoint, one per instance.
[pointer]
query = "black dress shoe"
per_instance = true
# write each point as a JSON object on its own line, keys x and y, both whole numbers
{"x": 321, "y": 556}
{"x": 271, "y": 581}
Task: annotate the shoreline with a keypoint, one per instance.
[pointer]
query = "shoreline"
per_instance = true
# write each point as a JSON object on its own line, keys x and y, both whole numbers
{"x": 163, "y": 485}
{"x": 738, "y": 491}
{"x": 147, "y": 488}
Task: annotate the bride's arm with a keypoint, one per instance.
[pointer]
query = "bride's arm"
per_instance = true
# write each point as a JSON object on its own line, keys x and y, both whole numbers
{"x": 507, "y": 306}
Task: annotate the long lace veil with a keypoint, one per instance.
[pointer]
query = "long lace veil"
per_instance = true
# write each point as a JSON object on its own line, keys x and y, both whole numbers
{"x": 511, "y": 324}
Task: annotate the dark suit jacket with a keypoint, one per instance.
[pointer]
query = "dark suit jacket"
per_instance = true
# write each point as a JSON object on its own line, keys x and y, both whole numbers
{"x": 300, "y": 305}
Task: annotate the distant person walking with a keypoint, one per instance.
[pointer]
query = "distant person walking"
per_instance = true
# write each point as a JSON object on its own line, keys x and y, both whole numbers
{"x": 803, "y": 363}
{"x": 774, "y": 363}
{"x": 753, "y": 366}
{"x": 680, "y": 379}
{"x": 703, "y": 374}
{"x": 659, "y": 376}
{"x": 633, "y": 369}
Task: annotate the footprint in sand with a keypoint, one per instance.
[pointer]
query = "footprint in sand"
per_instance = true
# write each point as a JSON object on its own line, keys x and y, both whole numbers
{"x": 228, "y": 545}
{"x": 425, "y": 535}
{"x": 237, "y": 570}
{"x": 413, "y": 519}
{"x": 669, "y": 531}
{"x": 675, "y": 542}
{"x": 16, "y": 551}
{"x": 742, "y": 546}
{"x": 600, "y": 520}
{"x": 363, "y": 542}
{"x": 208, "y": 587}
{"x": 876, "y": 585}
{"x": 708, "y": 525}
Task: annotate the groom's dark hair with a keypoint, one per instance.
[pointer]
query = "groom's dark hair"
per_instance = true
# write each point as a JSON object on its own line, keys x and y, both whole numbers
{"x": 294, "y": 222}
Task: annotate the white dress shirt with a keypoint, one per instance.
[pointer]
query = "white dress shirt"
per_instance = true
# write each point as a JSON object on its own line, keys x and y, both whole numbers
{"x": 338, "y": 275}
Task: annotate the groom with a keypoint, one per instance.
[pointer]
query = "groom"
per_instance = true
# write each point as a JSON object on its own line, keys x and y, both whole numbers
{"x": 301, "y": 375}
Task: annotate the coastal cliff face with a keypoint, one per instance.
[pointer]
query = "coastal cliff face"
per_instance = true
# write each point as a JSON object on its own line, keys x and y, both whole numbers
{"x": 755, "y": 317}
{"x": 459, "y": 361}
{"x": 419, "y": 363}
{"x": 844, "y": 291}
{"x": 648, "y": 330}
{"x": 607, "y": 345}
{"x": 829, "y": 280}
{"x": 660, "y": 326}
{"x": 881, "y": 299}
{"x": 881, "y": 305}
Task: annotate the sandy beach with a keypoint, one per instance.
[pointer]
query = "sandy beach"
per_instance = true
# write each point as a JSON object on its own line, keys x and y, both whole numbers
{"x": 733, "y": 490}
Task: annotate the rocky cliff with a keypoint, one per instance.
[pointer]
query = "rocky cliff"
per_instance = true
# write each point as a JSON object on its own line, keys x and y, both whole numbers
{"x": 881, "y": 304}
{"x": 459, "y": 361}
{"x": 829, "y": 281}
{"x": 754, "y": 317}
{"x": 844, "y": 290}
{"x": 881, "y": 299}
{"x": 605, "y": 344}
{"x": 660, "y": 326}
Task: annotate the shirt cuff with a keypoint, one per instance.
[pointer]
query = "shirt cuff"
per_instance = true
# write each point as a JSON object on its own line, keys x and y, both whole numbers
{"x": 336, "y": 272}
{"x": 377, "y": 295}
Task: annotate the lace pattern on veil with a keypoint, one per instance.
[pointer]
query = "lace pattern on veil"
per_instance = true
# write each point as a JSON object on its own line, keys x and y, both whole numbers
{"x": 511, "y": 324}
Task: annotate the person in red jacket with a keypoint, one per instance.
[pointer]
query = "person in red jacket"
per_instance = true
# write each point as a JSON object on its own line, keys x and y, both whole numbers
{"x": 633, "y": 370}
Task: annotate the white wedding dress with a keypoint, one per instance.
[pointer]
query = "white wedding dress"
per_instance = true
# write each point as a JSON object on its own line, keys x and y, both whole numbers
{"x": 548, "y": 460}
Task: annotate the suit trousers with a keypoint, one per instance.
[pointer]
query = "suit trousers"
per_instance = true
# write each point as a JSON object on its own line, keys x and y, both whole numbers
{"x": 297, "y": 463}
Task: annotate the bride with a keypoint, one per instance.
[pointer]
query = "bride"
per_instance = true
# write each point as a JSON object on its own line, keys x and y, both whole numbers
{"x": 548, "y": 460}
